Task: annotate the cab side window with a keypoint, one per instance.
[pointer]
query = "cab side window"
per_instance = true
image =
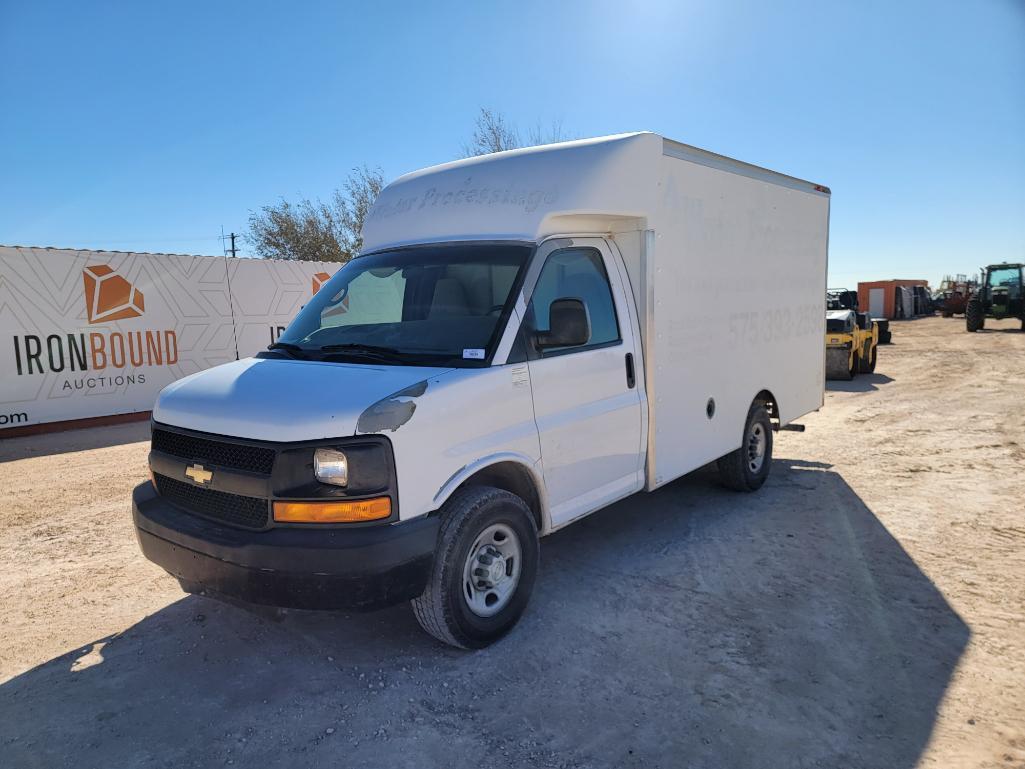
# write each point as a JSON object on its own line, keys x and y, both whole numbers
{"x": 576, "y": 273}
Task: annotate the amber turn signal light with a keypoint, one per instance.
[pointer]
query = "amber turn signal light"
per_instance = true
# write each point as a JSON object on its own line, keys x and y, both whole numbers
{"x": 352, "y": 511}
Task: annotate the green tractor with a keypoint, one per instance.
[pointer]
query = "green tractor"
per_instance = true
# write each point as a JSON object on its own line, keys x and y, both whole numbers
{"x": 1000, "y": 295}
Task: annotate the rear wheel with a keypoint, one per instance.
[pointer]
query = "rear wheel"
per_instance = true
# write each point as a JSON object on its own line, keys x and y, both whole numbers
{"x": 484, "y": 568}
{"x": 974, "y": 317}
{"x": 870, "y": 366}
{"x": 747, "y": 468}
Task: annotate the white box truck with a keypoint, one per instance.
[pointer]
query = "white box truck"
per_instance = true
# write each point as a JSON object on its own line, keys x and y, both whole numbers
{"x": 526, "y": 337}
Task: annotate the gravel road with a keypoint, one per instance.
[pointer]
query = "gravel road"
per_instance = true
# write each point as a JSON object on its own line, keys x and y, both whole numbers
{"x": 864, "y": 609}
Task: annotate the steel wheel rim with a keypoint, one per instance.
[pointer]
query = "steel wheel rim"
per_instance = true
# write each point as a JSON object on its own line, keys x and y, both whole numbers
{"x": 492, "y": 570}
{"x": 756, "y": 442}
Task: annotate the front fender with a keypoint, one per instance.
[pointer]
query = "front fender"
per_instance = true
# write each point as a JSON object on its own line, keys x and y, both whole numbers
{"x": 522, "y": 460}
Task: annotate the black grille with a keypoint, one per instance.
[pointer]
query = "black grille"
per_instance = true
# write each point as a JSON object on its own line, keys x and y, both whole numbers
{"x": 253, "y": 459}
{"x": 249, "y": 512}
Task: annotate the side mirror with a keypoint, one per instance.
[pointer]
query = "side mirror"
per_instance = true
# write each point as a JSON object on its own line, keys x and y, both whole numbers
{"x": 568, "y": 325}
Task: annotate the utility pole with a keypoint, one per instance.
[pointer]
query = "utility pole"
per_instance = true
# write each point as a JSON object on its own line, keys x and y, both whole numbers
{"x": 232, "y": 237}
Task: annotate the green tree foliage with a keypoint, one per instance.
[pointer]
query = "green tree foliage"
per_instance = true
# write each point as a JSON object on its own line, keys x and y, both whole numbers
{"x": 314, "y": 230}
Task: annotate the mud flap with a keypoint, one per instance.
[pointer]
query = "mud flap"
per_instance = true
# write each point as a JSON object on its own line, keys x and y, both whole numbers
{"x": 838, "y": 363}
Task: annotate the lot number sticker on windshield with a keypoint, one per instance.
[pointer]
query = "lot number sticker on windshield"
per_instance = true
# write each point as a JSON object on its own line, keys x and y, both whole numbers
{"x": 473, "y": 354}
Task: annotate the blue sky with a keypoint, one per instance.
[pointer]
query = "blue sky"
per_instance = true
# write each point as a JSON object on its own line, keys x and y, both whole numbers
{"x": 146, "y": 126}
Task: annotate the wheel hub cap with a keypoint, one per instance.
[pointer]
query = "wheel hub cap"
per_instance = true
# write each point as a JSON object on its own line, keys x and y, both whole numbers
{"x": 492, "y": 570}
{"x": 756, "y": 448}
{"x": 491, "y": 567}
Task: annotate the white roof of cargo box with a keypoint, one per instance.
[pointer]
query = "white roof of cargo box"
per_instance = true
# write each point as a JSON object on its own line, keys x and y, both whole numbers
{"x": 528, "y": 194}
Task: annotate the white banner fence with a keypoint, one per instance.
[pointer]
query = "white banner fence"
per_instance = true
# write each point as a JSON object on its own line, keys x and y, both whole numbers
{"x": 99, "y": 333}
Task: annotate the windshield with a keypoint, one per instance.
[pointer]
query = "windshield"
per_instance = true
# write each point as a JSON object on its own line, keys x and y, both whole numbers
{"x": 838, "y": 325}
{"x": 1006, "y": 277}
{"x": 427, "y": 305}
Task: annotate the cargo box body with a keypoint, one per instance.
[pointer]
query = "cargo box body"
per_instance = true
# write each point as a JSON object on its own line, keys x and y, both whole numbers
{"x": 726, "y": 261}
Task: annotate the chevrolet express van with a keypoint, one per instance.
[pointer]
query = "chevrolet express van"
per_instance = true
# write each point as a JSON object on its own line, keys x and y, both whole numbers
{"x": 525, "y": 338}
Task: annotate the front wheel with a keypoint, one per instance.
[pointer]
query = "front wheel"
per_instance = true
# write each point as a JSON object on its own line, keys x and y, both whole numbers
{"x": 484, "y": 568}
{"x": 838, "y": 363}
{"x": 747, "y": 468}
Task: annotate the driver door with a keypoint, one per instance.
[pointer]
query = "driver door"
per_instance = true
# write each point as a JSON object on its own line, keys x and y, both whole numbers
{"x": 586, "y": 401}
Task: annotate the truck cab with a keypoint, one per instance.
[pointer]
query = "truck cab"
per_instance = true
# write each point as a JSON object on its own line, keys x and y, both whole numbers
{"x": 486, "y": 372}
{"x": 1001, "y": 294}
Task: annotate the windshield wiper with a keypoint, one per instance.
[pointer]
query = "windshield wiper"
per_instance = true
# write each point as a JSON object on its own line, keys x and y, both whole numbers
{"x": 357, "y": 347}
{"x": 292, "y": 349}
{"x": 377, "y": 352}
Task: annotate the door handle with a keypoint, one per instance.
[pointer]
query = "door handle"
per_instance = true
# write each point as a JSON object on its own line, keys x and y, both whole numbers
{"x": 631, "y": 379}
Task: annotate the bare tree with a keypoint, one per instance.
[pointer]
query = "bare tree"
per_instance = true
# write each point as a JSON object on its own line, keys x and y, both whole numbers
{"x": 537, "y": 135}
{"x": 493, "y": 133}
{"x": 314, "y": 230}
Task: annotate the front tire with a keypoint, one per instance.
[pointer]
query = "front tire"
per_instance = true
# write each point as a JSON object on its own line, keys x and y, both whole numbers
{"x": 484, "y": 568}
{"x": 747, "y": 468}
{"x": 838, "y": 363}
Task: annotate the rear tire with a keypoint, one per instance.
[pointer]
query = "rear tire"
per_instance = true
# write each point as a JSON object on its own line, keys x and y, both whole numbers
{"x": 747, "y": 468}
{"x": 481, "y": 526}
{"x": 975, "y": 320}
{"x": 868, "y": 368}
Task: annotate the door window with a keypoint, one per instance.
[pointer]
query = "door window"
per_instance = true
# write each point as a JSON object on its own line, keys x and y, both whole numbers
{"x": 576, "y": 273}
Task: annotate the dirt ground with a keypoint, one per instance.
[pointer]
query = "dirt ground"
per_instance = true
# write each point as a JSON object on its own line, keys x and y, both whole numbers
{"x": 864, "y": 609}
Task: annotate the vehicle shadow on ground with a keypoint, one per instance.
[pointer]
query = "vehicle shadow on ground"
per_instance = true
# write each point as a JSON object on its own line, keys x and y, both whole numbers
{"x": 49, "y": 444}
{"x": 862, "y": 383}
{"x": 690, "y": 627}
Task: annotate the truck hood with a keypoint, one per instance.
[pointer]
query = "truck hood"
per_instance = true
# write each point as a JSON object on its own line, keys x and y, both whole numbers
{"x": 282, "y": 400}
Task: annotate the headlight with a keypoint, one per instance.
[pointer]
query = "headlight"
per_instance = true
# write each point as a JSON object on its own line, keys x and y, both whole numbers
{"x": 331, "y": 466}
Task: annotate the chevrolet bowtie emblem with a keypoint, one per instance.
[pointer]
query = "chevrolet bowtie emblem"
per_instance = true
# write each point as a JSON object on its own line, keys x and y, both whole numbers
{"x": 199, "y": 474}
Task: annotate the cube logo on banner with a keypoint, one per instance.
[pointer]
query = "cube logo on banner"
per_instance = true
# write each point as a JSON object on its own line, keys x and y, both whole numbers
{"x": 319, "y": 279}
{"x": 108, "y": 296}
